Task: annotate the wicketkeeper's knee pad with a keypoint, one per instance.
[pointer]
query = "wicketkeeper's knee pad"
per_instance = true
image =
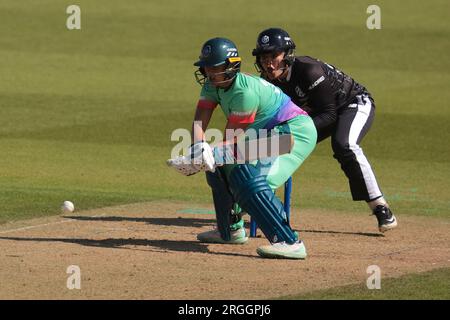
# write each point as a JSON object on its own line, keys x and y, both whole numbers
{"x": 223, "y": 202}
{"x": 252, "y": 192}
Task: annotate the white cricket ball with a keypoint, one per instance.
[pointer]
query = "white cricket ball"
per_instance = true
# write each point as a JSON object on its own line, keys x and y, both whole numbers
{"x": 67, "y": 207}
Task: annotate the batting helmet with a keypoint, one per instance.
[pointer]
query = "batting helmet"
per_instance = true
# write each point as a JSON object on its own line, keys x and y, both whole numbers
{"x": 216, "y": 52}
{"x": 274, "y": 40}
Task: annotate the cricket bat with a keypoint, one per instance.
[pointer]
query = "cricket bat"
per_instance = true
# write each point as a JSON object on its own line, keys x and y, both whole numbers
{"x": 253, "y": 149}
{"x": 239, "y": 152}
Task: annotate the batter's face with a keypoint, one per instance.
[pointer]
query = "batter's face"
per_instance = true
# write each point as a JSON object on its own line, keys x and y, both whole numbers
{"x": 217, "y": 77}
{"x": 273, "y": 65}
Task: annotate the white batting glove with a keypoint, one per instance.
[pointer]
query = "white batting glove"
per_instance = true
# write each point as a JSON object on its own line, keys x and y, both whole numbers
{"x": 183, "y": 165}
{"x": 202, "y": 156}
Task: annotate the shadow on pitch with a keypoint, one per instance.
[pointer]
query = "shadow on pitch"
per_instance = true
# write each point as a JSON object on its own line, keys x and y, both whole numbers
{"x": 177, "y": 222}
{"x": 365, "y": 234}
{"x": 165, "y": 245}
{"x": 195, "y": 222}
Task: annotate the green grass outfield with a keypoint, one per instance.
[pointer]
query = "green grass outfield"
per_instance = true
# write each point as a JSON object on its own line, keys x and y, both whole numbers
{"x": 433, "y": 285}
{"x": 86, "y": 115}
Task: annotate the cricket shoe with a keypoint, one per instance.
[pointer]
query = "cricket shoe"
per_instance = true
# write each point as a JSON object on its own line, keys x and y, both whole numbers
{"x": 237, "y": 237}
{"x": 385, "y": 217}
{"x": 283, "y": 250}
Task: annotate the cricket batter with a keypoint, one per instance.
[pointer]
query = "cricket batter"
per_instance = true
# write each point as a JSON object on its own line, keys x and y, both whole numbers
{"x": 248, "y": 102}
{"x": 340, "y": 107}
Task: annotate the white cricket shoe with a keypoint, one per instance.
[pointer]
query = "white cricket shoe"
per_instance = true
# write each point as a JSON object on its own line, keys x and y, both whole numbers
{"x": 237, "y": 237}
{"x": 283, "y": 250}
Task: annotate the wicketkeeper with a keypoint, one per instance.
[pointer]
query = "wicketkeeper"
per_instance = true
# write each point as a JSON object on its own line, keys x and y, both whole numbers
{"x": 248, "y": 102}
{"x": 340, "y": 107}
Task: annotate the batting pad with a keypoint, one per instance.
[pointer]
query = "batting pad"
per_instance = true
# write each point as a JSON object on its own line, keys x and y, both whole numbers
{"x": 254, "y": 195}
{"x": 223, "y": 202}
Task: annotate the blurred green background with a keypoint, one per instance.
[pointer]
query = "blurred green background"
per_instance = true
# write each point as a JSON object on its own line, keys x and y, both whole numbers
{"x": 86, "y": 115}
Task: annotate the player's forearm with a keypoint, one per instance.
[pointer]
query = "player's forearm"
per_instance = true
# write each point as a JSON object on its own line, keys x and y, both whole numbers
{"x": 323, "y": 105}
{"x": 325, "y": 118}
{"x": 198, "y": 131}
{"x": 200, "y": 124}
{"x": 233, "y": 131}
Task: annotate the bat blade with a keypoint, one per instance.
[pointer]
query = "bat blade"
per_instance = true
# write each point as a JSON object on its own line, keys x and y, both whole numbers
{"x": 253, "y": 149}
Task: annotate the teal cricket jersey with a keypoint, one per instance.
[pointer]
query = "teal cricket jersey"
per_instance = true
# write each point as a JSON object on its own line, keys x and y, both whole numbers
{"x": 262, "y": 105}
{"x": 250, "y": 99}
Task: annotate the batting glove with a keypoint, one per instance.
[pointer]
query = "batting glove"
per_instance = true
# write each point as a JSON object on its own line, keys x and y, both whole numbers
{"x": 202, "y": 156}
{"x": 183, "y": 165}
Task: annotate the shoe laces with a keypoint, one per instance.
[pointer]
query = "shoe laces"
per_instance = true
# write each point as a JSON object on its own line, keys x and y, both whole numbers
{"x": 283, "y": 243}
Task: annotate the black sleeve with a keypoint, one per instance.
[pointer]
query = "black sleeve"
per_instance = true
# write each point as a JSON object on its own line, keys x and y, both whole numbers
{"x": 321, "y": 98}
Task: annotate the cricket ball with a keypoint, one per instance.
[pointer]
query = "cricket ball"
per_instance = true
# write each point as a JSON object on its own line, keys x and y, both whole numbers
{"x": 67, "y": 207}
